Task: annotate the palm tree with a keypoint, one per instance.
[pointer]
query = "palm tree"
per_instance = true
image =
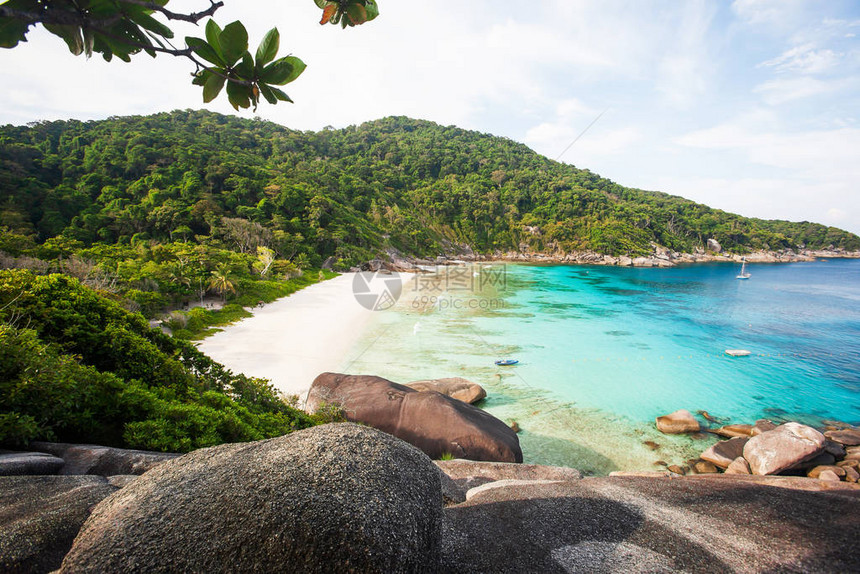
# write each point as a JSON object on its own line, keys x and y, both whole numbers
{"x": 222, "y": 282}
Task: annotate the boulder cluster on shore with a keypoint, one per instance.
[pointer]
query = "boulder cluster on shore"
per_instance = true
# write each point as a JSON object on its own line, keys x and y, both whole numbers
{"x": 348, "y": 498}
{"x": 765, "y": 448}
{"x": 344, "y": 497}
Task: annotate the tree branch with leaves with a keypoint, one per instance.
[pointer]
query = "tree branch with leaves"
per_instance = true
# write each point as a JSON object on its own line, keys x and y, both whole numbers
{"x": 123, "y": 28}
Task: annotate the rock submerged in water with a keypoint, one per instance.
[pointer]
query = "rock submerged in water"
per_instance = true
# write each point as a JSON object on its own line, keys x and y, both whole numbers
{"x": 454, "y": 387}
{"x": 334, "y": 498}
{"x": 734, "y": 431}
{"x": 782, "y": 448}
{"x": 435, "y": 423}
{"x": 681, "y": 421}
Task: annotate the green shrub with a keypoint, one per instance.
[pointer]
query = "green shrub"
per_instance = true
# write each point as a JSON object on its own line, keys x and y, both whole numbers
{"x": 85, "y": 370}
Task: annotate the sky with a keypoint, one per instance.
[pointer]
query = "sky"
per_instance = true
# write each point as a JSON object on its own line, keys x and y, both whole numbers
{"x": 751, "y": 106}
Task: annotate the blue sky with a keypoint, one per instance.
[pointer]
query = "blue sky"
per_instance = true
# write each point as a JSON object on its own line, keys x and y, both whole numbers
{"x": 750, "y": 106}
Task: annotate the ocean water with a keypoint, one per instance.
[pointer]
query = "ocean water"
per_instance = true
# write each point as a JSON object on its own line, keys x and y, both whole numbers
{"x": 605, "y": 350}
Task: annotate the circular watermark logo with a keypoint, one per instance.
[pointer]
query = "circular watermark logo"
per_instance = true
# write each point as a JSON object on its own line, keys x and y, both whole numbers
{"x": 376, "y": 290}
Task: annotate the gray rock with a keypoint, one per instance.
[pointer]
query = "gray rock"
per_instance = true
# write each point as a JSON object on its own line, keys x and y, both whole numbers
{"x": 452, "y": 493}
{"x": 823, "y": 458}
{"x": 334, "y": 498}
{"x": 108, "y": 461}
{"x": 40, "y": 517}
{"x": 121, "y": 480}
{"x": 20, "y": 463}
{"x": 834, "y": 448}
{"x": 714, "y": 245}
{"x": 782, "y": 448}
{"x": 454, "y": 387}
{"x": 724, "y": 452}
{"x": 634, "y": 524}
{"x": 469, "y": 473}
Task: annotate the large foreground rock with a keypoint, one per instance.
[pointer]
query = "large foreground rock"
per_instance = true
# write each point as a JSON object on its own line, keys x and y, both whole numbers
{"x": 710, "y": 523}
{"x": 681, "y": 421}
{"x": 40, "y": 517}
{"x": 454, "y": 387}
{"x": 335, "y": 498}
{"x": 784, "y": 447}
{"x": 435, "y": 423}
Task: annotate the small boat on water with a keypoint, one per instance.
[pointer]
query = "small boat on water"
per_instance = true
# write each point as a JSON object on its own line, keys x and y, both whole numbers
{"x": 738, "y": 352}
{"x": 743, "y": 274}
{"x": 506, "y": 362}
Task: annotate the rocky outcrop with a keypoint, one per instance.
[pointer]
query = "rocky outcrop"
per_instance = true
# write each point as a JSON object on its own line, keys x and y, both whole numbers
{"x": 735, "y": 431}
{"x": 714, "y": 245}
{"x": 103, "y": 460}
{"x": 681, "y": 421}
{"x": 724, "y": 452}
{"x": 334, "y": 498}
{"x": 762, "y": 425}
{"x": 705, "y": 467}
{"x": 739, "y": 466}
{"x": 782, "y": 448}
{"x": 454, "y": 387}
{"x": 469, "y": 474}
{"x": 630, "y": 524}
{"x": 40, "y": 517}
{"x": 663, "y": 257}
{"x": 21, "y": 463}
{"x": 433, "y": 422}
{"x": 845, "y": 437}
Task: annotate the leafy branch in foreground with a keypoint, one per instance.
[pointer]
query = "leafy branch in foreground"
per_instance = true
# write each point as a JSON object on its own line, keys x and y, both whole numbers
{"x": 123, "y": 28}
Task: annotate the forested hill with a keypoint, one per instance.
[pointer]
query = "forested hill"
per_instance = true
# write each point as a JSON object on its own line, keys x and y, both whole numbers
{"x": 395, "y": 182}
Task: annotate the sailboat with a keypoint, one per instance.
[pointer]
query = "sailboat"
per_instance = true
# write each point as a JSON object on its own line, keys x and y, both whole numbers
{"x": 743, "y": 274}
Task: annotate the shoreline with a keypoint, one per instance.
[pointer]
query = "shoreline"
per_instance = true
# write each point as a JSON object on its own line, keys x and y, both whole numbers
{"x": 293, "y": 339}
{"x": 660, "y": 257}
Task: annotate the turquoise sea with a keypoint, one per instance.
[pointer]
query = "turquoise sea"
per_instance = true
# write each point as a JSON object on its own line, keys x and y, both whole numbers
{"x": 604, "y": 350}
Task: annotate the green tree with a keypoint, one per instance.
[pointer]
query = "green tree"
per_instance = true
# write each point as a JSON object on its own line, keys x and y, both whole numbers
{"x": 123, "y": 28}
{"x": 222, "y": 281}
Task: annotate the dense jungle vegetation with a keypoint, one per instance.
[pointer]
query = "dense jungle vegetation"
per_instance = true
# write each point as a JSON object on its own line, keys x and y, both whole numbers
{"x": 77, "y": 367}
{"x": 212, "y": 180}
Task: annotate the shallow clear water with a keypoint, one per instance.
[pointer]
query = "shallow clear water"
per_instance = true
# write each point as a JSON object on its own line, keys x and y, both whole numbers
{"x": 604, "y": 350}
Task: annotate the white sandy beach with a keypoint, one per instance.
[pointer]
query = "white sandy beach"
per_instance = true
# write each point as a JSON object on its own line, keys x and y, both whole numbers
{"x": 296, "y": 338}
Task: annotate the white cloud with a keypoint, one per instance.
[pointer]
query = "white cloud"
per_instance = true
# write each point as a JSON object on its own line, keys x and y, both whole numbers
{"x": 683, "y": 72}
{"x": 804, "y": 59}
{"x": 784, "y": 90}
{"x": 779, "y": 13}
{"x": 814, "y": 173}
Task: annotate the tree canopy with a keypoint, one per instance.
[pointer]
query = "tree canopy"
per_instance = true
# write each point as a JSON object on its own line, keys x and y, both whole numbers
{"x": 234, "y": 184}
{"x": 123, "y": 28}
